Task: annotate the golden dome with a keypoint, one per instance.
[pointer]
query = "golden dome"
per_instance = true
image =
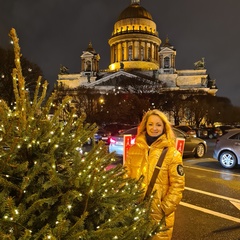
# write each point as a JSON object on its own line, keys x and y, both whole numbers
{"x": 134, "y": 41}
{"x": 135, "y": 11}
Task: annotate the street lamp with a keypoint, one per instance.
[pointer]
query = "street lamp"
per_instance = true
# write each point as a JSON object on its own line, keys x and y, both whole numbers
{"x": 101, "y": 100}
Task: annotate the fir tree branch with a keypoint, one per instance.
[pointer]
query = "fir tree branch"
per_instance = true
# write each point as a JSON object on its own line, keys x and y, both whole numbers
{"x": 18, "y": 80}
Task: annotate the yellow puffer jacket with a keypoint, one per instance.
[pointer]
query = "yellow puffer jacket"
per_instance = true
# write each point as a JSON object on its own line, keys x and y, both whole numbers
{"x": 141, "y": 161}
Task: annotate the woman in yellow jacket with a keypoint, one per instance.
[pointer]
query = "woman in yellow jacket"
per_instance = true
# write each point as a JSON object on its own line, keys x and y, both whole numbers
{"x": 154, "y": 134}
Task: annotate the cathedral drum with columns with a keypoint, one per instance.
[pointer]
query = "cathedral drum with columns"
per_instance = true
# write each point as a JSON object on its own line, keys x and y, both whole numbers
{"x": 136, "y": 51}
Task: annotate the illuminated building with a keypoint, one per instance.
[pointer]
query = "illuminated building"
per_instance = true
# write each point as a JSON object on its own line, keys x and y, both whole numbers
{"x": 136, "y": 51}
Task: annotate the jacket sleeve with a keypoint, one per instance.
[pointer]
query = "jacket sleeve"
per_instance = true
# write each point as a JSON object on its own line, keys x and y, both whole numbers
{"x": 176, "y": 184}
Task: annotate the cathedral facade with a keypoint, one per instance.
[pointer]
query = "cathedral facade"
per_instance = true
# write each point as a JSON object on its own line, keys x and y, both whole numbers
{"x": 137, "y": 52}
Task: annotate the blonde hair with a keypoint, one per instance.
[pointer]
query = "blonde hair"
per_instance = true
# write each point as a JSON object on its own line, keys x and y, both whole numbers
{"x": 167, "y": 125}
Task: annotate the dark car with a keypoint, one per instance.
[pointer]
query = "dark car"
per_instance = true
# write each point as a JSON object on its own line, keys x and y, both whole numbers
{"x": 103, "y": 135}
{"x": 225, "y": 128}
{"x": 209, "y": 132}
{"x": 193, "y": 146}
{"x": 227, "y": 149}
{"x": 187, "y": 129}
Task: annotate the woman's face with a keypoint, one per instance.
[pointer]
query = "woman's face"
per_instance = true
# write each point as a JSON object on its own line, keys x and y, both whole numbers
{"x": 154, "y": 126}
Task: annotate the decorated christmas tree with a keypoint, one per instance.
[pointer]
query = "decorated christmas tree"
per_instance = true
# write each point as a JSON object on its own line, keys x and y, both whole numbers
{"x": 50, "y": 188}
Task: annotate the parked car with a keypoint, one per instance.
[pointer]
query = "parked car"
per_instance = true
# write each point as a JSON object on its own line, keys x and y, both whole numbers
{"x": 227, "y": 149}
{"x": 225, "y": 128}
{"x": 103, "y": 135}
{"x": 187, "y": 129}
{"x": 193, "y": 146}
{"x": 209, "y": 132}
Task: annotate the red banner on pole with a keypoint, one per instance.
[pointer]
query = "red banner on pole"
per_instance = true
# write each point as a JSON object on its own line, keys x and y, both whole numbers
{"x": 180, "y": 142}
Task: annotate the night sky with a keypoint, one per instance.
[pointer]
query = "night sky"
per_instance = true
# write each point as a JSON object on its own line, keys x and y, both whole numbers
{"x": 55, "y": 32}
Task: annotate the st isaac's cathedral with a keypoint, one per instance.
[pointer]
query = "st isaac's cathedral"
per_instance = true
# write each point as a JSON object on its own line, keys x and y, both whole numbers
{"x": 137, "y": 52}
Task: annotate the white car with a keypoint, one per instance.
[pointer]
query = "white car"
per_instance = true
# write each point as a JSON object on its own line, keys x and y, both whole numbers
{"x": 227, "y": 149}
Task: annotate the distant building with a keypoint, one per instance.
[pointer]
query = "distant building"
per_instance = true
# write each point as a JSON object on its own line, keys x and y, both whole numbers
{"x": 136, "y": 51}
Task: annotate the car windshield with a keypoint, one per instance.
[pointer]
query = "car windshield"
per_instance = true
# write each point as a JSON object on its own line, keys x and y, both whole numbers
{"x": 132, "y": 131}
{"x": 184, "y": 128}
{"x": 179, "y": 133}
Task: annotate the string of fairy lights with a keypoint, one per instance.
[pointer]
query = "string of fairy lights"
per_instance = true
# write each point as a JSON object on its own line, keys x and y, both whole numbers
{"x": 14, "y": 214}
